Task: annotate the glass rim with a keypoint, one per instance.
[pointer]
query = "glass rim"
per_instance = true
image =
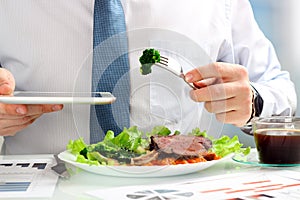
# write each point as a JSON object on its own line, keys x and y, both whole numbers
{"x": 275, "y": 120}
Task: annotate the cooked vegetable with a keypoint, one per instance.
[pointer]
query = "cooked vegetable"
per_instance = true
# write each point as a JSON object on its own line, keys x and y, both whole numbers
{"x": 132, "y": 147}
{"x": 148, "y": 58}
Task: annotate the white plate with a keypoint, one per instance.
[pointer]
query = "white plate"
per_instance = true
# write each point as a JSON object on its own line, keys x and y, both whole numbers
{"x": 21, "y": 97}
{"x": 139, "y": 171}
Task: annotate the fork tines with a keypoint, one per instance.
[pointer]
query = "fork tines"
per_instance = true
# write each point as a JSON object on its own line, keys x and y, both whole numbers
{"x": 163, "y": 60}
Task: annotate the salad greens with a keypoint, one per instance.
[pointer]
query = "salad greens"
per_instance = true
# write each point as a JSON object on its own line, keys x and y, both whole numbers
{"x": 223, "y": 145}
{"x": 226, "y": 145}
{"x": 132, "y": 143}
{"x": 148, "y": 58}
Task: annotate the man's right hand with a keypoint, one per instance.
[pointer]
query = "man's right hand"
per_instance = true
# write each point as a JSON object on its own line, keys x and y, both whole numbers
{"x": 15, "y": 117}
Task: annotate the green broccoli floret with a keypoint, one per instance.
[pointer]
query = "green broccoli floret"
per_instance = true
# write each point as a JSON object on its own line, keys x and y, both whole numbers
{"x": 149, "y": 57}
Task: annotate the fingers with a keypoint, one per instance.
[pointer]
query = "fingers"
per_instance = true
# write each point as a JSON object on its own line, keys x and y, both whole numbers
{"x": 232, "y": 117}
{"x": 16, "y": 110}
{"x": 7, "y": 82}
{"x": 14, "y": 118}
{"x": 221, "y": 91}
{"x": 10, "y": 127}
{"x": 231, "y": 111}
{"x": 12, "y": 109}
{"x": 225, "y": 91}
{"x": 231, "y": 102}
{"x": 206, "y": 82}
{"x": 43, "y": 108}
{"x": 223, "y": 71}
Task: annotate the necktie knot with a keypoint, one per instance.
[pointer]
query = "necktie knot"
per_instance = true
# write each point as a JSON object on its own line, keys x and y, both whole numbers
{"x": 109, "y": 20}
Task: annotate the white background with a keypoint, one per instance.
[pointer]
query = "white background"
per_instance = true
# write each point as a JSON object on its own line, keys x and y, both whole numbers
{"x": 279, "y": 22}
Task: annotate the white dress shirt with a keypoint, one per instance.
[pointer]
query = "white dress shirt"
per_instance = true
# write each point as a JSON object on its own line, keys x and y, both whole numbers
{"x": 47, "y": 45}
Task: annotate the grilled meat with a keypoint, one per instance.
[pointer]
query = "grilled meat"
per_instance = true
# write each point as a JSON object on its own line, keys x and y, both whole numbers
{"x": 182, "y": 145}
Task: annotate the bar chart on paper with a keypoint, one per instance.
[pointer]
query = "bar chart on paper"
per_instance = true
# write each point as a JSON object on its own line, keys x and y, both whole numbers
{"x": 256, "y": 185}
{"x": 27, "y": 178}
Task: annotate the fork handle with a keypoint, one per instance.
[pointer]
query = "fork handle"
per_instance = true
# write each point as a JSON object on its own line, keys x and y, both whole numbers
{"x": 190, "y": 84}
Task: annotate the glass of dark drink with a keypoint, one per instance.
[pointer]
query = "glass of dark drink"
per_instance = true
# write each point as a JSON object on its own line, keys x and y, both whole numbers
{"x": 277, "y": 139}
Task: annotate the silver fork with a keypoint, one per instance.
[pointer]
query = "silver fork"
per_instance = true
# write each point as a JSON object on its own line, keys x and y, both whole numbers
{"x": 164, "y": 63}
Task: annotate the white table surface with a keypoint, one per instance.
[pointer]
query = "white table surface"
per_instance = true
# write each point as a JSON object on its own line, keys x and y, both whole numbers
{"x": 82, "y": 181}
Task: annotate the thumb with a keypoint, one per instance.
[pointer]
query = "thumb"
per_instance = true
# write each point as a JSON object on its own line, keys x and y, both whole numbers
{"x": 7, "y": 82}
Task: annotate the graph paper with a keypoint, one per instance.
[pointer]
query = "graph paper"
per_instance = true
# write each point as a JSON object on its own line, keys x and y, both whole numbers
{"x": 27, "y": 178}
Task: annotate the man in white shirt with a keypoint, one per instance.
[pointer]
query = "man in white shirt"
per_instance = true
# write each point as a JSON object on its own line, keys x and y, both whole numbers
{"x": 47, "y": 46}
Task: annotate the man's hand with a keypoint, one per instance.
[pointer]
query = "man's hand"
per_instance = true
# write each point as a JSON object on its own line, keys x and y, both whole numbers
{"x": 13, "y": 117}
{"x": 225, "y": 89}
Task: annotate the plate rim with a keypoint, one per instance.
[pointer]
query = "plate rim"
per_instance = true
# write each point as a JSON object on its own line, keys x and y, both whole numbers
{"x": 117, "y": 170}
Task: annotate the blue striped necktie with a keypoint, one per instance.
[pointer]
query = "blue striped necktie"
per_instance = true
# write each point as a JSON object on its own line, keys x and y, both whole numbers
{"x": 110, "y": 69}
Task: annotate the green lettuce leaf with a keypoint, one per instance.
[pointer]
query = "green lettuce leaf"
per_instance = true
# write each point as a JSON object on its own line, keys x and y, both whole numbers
{"x": 76, "y": 146}
{"x": 226, "y": 145}
{"x": 160, "y": 130}
{"x": 130, "y": 139}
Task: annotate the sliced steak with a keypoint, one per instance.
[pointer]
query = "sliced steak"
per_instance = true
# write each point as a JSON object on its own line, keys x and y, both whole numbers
{"x": 183, "y": 145}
